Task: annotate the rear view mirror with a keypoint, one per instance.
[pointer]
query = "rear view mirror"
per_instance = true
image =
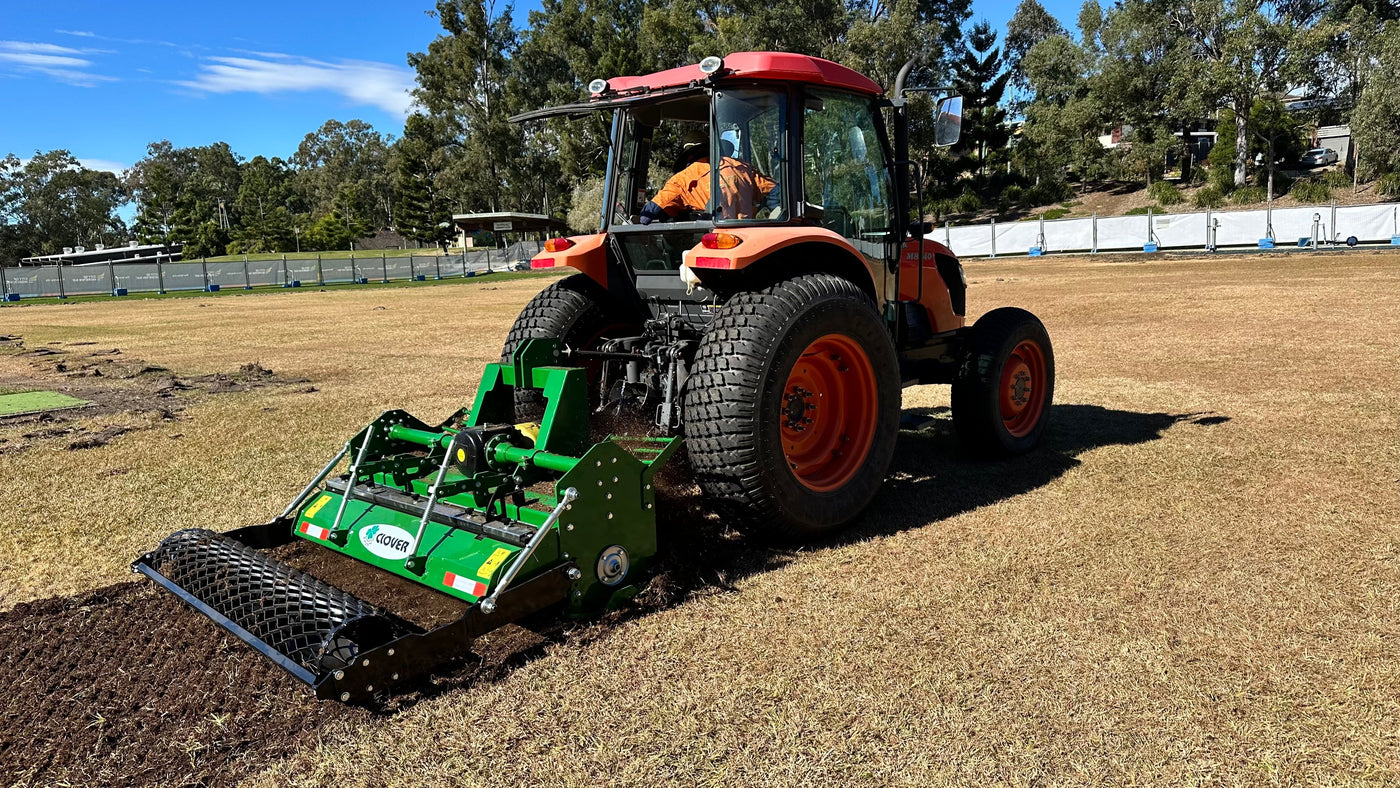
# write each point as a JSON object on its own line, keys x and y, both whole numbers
{"x": 947, "y": 127}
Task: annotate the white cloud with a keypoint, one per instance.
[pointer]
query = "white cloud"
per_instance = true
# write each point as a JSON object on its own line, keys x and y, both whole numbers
{"x": 363, "y": 82}
{"x": 64, "y": 64}
{"x": 104, "y": 164}
{"x": 141, "y": 41}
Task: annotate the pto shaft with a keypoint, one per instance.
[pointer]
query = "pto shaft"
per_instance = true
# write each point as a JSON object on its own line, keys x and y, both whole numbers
{"x": 502, "y": 453}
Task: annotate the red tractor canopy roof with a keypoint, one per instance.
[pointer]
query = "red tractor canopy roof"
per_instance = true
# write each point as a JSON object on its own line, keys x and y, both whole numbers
{"x": 782, "y": 66}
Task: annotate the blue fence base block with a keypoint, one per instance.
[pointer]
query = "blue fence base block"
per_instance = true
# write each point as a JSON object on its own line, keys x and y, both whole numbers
{"x": 1304, "y": 243}
{"x": 420, "y": 278}
{"x": 247, "y": 287}
{"x": 1266, "y": 243}
{"x": 12, "y": 296}
{"x": 364, "y": 280}
{"x": 1035, "y": 251}
{"x": 1149, "y": 247}
{"x": 471, "y": 273}
{"x": 1395, "y": 240}
{"x": 119, "y": 291}
{"x": 211, "y": 288}
{"x": 293, "y": 283}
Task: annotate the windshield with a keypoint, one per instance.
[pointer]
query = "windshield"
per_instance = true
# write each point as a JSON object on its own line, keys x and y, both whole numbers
{"x": 673, "y": 165}
{"x": 750, "y": 151}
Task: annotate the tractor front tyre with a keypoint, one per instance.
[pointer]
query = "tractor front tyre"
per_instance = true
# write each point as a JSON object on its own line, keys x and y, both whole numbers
{"x": 792, "y": 406}
{"x": 1002, "y": 402}
{"x": 576, "y": 311}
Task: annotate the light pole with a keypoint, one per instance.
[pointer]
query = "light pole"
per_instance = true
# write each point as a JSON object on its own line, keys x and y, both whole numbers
{"x": 297, "y": 232}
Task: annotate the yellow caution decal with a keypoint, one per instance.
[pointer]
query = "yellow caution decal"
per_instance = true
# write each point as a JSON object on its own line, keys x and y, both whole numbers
{"x": 530, "y": 429}
{"x": 493, "y": 563}
{"x": 316, "y": 507}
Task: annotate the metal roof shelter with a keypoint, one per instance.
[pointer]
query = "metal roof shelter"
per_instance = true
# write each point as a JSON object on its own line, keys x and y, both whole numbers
{"x": 519, "y": 224}
{"x": 165, "y": 253}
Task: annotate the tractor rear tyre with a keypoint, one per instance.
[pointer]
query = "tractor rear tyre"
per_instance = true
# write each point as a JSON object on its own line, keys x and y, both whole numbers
{"x": 792, "y": 406}
{"x": 1002, "y": 404}
{"x": 576, "y": 311}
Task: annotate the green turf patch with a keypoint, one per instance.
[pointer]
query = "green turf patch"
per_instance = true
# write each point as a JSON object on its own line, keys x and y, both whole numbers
{"x": 37, "y": 402}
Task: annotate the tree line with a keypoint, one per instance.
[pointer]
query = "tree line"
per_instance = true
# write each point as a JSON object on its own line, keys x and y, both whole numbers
{"x": 1037, "y": 100}
{"x": 1164, "y": 71}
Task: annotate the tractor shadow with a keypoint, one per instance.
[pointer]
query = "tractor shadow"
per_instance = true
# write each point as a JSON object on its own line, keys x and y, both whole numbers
{"x": 931, "y": 480}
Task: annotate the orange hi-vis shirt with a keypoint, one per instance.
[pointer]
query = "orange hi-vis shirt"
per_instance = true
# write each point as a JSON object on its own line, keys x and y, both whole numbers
{"x": 741, "y": 186}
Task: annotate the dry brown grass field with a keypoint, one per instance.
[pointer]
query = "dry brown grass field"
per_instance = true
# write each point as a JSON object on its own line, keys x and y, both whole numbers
{"x": 1196, "y": 581}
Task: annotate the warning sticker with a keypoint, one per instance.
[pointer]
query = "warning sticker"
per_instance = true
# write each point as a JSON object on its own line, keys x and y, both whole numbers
{"x": 316, "y": 507}
{"x": 465, "y": 584}
{"x": 492, "y": 563}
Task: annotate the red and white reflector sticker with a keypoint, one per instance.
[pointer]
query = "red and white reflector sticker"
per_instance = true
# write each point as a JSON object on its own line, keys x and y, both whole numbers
{"x": 316, "y": 532}
{"x": 466, "y": 584}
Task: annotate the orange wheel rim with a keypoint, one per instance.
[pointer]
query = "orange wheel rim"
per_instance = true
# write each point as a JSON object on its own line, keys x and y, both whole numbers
{"x": 828, "y": 412}
{"x": 1022, "y": 389}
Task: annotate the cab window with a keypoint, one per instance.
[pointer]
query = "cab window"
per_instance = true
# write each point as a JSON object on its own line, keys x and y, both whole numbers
{"x": 847, "y": 187}
{"x": 749, "y": 161}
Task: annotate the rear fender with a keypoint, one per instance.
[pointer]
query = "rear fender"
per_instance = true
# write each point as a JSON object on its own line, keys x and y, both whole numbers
{"x": 589, "y": 254}
{"x": 768, "y": 254}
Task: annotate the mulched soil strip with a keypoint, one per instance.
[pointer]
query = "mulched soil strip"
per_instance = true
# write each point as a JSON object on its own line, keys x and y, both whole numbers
{"x": 127, "y": 686}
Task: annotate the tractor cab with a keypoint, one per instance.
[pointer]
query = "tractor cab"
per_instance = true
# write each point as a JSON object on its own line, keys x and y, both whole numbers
{"x": 725, "y": 173}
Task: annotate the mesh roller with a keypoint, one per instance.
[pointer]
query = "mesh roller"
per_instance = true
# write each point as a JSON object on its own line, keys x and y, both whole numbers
{"x": 291, "y": 611}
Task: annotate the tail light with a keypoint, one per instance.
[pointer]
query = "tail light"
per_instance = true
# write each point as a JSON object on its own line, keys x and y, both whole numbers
{"x": 720, "y": 241}
{"x": 557, "y": 244}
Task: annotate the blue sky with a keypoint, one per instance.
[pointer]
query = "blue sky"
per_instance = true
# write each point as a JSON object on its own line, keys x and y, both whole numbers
{"x": 103, "y": 79}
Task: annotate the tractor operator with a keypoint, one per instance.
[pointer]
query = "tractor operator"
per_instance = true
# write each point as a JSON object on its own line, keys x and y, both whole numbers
{"x": 742, "y": 187}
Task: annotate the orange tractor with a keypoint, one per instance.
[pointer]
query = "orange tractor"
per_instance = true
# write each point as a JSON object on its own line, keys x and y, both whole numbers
{"x": 764, "y": 295}
{"x": 770, "y": 298}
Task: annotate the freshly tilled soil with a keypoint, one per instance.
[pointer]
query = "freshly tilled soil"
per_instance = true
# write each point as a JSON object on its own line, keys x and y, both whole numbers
{"x": 127, "y": 686}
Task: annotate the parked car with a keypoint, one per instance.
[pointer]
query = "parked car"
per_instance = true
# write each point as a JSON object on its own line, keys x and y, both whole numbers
{"x": 1319, "y": 157}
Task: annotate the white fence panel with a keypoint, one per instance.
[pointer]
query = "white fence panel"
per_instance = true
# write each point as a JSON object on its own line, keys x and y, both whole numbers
{"x": 1291, "y": 224}
{"x": 1017, "y": 237}
{"x": 1122, "y": 232}
{"x": 971, "y": 241}
{"x": 1367, "y": 222}
{"x": 1062, "y": 235}
{"x": 1240, "y": 228}
{"x": 1179, "y": 230}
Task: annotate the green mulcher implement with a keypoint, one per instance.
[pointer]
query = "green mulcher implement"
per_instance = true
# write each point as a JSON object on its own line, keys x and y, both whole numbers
{"x": 446, "y": 506}
{"x": 766, "y": 305}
